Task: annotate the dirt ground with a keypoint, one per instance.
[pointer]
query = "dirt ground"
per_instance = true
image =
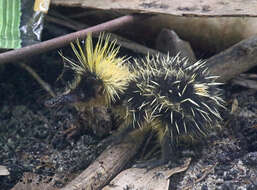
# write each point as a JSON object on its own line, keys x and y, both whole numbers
{"x": 32, "y": 137}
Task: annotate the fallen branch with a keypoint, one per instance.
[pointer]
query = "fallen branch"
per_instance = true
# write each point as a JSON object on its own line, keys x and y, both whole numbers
{"x": 43, "y": 84}
{"x": 107, "y": 165}
{"x": 123, "y": 42}
{"x": 61, "y": 41}
{"x": 235, "y": 60}
{"x": 205, "y": 172}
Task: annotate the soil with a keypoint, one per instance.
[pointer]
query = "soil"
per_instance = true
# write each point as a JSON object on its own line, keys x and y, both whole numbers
{"x": 35, "y": 139}
{"x": 229, "y": 159}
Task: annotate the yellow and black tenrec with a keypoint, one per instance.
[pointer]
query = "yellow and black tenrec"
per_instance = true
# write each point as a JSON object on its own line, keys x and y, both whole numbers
{"x": 174, "y": 97}
{"x": 178, "y": 99}
{"x": 100, "y": 75}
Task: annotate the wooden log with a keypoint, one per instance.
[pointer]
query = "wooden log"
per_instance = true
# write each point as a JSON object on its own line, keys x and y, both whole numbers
{"x": 227, "y": 64}
{"x": 209, "y": 26}
{"x": 107, "y": 165}
{"x": 235, "y": 60}
{"x": 175, "y": 7}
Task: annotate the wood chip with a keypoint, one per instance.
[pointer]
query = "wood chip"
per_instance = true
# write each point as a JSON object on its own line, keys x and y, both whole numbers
{"x": 138, "y": 178}
{"x": 4, "y": 171}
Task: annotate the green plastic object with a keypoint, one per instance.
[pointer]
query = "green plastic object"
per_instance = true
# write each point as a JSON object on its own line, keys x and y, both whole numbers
{"x": 10, "y": 14}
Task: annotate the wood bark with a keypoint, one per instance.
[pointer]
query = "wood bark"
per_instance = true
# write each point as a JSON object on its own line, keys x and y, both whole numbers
{"x": 235, "y": 60}
{"x": 107, "y": 165}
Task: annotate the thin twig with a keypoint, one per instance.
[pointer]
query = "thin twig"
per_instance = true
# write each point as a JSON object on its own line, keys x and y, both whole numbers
{"x": 245, "y": 82}
{"x": 61, "y": 41}
{"x": 206, "y": 171}
{"x": 38, "y": 79}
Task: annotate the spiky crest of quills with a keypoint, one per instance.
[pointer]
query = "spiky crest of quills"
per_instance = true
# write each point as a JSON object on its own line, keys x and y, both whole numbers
{"x": 102, "y": 62}
{"x": 182, "y": 97}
